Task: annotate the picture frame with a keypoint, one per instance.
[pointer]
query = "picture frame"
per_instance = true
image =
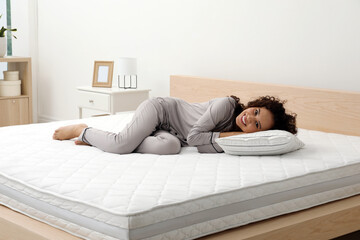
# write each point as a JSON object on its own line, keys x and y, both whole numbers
{"x": 103, "y": 74}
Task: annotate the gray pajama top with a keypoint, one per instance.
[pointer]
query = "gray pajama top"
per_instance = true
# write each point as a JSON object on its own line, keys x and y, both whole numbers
{"x": 196, "y": 124}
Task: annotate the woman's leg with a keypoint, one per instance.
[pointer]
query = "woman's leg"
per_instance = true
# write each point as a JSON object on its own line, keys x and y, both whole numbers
{"x": 161, "y": 143}
{"x": 142, "y": 125}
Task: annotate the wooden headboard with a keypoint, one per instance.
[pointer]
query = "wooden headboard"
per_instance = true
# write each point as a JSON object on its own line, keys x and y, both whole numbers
{"x": 317, "y": 109}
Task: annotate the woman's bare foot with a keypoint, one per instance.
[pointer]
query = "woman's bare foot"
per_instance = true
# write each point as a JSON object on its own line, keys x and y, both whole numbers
{"x": 69, "y": 132}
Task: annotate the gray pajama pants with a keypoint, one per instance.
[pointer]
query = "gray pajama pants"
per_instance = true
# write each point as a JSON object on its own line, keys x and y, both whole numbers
{"x": 141, "y": 135}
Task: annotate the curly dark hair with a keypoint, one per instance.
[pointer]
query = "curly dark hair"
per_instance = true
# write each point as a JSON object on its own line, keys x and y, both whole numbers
{"x": 282, "y": 120}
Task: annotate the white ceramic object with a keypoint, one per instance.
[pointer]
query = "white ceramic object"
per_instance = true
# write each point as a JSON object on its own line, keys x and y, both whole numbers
{"x": 11, "y": 75}
{"x": 2, "y": 46}
{"x": 10, "y": 88}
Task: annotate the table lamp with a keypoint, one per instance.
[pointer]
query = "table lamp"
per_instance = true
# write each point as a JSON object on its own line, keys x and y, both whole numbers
{"x": 127, "y": 73}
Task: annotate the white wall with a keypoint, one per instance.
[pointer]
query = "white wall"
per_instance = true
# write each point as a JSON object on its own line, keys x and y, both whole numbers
{"x": 3, "y": 66}
{"x": 312, "y": 43}
{"x": 24, "y": 18}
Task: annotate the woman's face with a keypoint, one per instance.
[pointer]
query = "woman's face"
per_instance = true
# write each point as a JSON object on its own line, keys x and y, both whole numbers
{"x": 255, "y": 119}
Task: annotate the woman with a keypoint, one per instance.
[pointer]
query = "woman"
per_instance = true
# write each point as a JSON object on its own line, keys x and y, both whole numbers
{"x": 163, "y": 125}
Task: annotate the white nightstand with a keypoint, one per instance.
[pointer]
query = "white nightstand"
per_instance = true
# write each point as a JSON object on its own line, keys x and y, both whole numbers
{"x": 110, "y": 100}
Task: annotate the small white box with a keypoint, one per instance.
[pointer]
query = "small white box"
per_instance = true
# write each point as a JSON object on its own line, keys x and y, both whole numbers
{"x": 11, "y": 75}
{"x": 10, "y": 88}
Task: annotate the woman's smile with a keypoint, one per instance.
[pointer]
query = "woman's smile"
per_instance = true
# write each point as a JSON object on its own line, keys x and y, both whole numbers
{"x": 243, "y": 120}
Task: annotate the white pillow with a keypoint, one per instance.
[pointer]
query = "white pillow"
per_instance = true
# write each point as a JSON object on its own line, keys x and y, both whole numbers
{"x": 271, "y": 142}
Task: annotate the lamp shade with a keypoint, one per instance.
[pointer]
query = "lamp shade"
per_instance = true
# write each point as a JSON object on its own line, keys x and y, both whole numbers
{"x": 127, "y": 66}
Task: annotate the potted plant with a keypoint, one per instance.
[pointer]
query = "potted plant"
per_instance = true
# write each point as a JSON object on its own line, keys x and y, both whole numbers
{"x": 3, "y": 39}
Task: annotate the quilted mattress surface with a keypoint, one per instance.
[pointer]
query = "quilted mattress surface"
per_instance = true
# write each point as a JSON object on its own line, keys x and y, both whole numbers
{"x": 99, "y": 195}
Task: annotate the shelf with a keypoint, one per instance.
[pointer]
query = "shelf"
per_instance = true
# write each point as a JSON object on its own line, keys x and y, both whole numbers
{"x": 14, "y": 97}
{"x": 19, "y": 109}
{"x": 14, "y": 59}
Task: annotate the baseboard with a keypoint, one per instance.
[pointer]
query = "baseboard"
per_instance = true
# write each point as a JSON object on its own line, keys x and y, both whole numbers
{"x": 45, "y": 119}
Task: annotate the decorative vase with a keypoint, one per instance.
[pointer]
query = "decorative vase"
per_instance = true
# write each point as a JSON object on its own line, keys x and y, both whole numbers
{"x": 2, "y": 46}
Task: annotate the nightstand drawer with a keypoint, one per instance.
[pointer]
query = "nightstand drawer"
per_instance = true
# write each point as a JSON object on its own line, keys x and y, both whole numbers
{"x": 94, "y": 100}
{"x": 109, "y": 100}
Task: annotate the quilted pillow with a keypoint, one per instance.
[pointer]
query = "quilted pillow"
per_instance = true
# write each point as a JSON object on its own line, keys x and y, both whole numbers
{"x": 271, "y": 142}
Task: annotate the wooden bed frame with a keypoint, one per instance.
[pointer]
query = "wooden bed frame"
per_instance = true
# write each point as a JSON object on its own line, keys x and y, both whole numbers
{"x": 324, "y": 110}
{"x": 317, "y": 109}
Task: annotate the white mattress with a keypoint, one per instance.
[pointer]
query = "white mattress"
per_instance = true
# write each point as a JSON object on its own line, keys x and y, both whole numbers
{"x": 98, "y": 195}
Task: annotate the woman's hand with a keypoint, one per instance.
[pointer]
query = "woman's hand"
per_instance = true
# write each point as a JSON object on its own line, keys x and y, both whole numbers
{"x": 228, "y": 134}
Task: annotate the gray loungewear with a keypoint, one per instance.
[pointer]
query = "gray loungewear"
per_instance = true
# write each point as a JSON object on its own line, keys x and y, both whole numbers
{"x": 163, "y": 125}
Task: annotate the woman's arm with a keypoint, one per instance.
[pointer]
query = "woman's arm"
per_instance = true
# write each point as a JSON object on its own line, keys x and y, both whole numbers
{"x": 214, "y": 148}
{"x": 228, "y": 134}
{"x": 201, "y": 134}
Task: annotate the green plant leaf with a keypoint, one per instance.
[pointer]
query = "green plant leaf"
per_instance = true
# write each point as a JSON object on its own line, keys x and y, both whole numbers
{"x": 2, "y": 32}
